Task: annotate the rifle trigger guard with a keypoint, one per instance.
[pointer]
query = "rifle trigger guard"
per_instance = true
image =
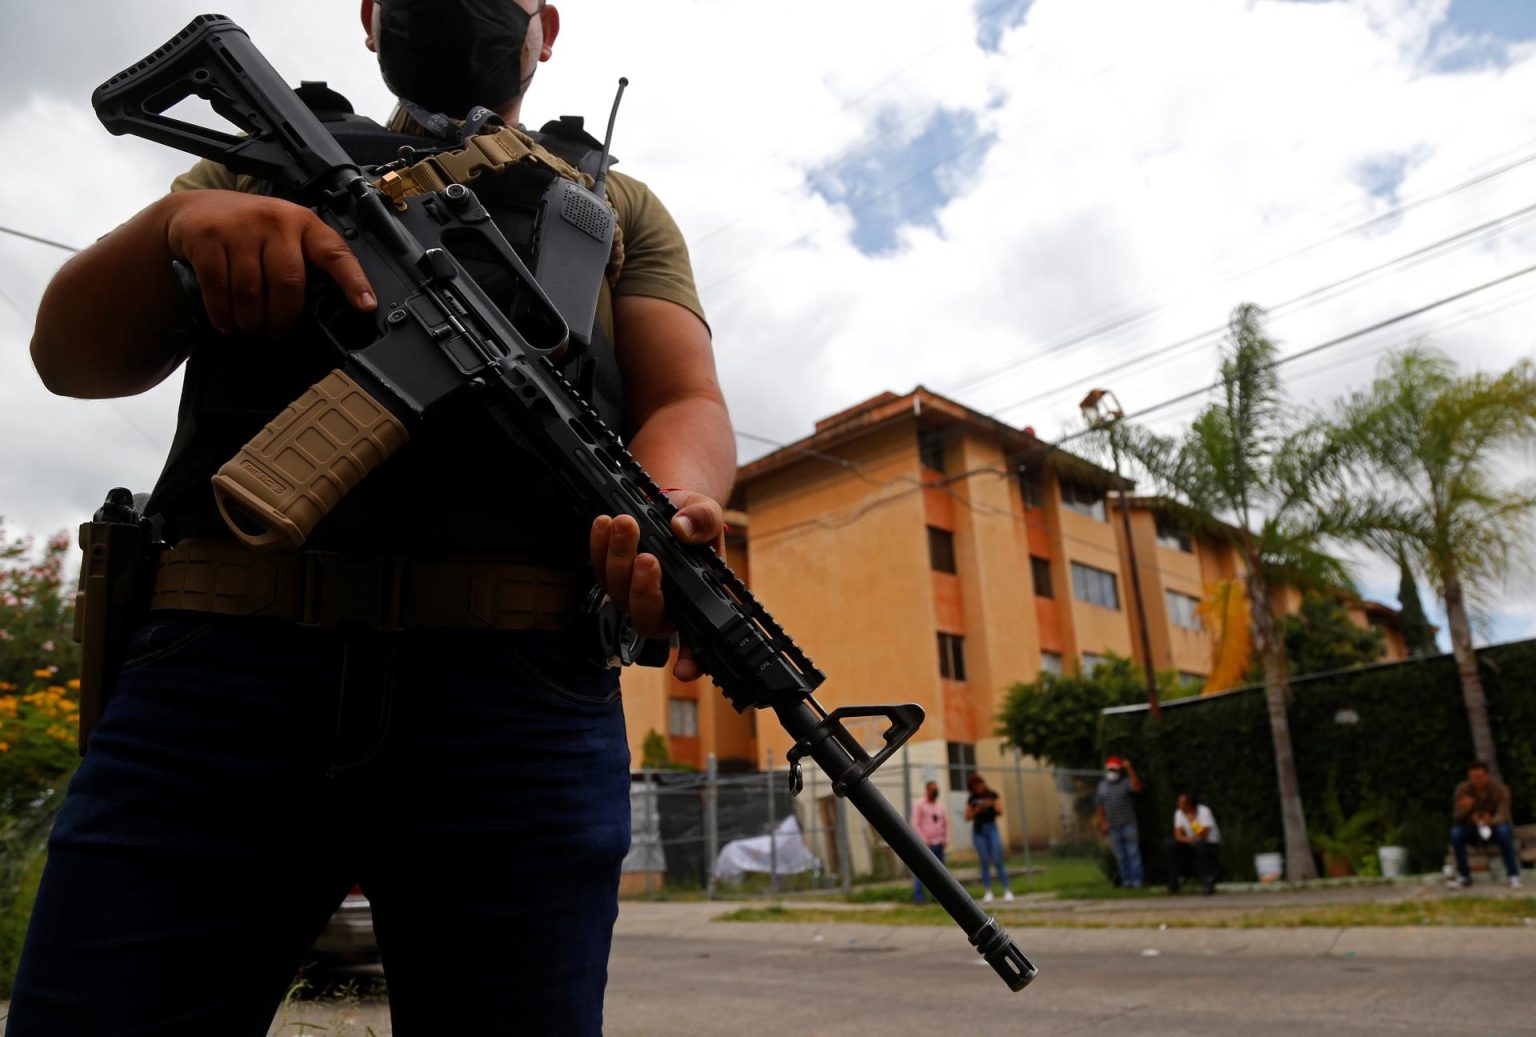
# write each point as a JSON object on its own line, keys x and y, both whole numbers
{"x": 905, "y": 720}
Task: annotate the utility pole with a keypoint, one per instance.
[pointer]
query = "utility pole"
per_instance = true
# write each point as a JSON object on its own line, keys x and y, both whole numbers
{"x": 1103, "y": 418}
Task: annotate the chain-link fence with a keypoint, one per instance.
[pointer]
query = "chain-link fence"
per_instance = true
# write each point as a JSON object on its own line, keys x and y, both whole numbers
{"x": 743, "y": 834}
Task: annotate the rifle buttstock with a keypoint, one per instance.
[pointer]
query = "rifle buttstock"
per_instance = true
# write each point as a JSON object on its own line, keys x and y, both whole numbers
{"x": 292, "y": 473}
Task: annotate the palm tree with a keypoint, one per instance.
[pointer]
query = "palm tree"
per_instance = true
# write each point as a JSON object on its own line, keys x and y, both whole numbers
{"x": 1433, "y": 442}
{"x": 1245, "y": 473}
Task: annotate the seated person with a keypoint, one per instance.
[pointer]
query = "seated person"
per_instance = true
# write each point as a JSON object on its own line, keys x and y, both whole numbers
{"x": 1481, "y": 815}
{"x": 1193, "y": 848}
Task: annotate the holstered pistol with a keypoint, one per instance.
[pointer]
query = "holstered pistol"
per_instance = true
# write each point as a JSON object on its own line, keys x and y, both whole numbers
{"x": 116, "y": 570}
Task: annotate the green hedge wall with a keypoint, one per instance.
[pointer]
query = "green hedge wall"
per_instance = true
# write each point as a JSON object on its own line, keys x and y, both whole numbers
{"x": 1407, "y": 748}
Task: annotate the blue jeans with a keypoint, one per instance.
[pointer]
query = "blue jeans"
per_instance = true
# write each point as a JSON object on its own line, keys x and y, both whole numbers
{"x": 246, "y": 773}
{"x": 989, "y": 849}
{"x": 1125, "y": 841}
{"x": 1461, "y": 835}
{"x": 917, "y": 883}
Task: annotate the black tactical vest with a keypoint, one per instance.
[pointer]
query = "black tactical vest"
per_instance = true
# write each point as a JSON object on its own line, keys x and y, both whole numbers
{"x": 459, "y": 487}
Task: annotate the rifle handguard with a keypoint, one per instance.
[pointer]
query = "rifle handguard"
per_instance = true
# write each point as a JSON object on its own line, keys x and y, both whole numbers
{"x": 292, "y": 473}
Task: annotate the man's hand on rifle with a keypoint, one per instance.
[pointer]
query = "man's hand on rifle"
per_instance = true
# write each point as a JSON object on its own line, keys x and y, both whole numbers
{"x": 633, "y": 579}
{"x": 249, "y": 253}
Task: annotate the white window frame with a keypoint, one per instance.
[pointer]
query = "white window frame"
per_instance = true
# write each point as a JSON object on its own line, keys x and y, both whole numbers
{"x": 1095, "y": 586}
{"x": 683, "y": 717}
{"x": 1184, "y": 610}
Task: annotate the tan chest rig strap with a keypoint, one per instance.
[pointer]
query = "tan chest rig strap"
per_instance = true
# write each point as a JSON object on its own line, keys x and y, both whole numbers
{"x": 490, "y": 153}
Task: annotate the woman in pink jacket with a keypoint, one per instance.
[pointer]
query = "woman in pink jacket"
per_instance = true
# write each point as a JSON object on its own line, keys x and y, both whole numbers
{"x": 930, "y": 819}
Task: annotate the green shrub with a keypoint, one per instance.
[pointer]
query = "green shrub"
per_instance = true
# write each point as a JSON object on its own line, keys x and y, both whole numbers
{"x": 39, "y": 708}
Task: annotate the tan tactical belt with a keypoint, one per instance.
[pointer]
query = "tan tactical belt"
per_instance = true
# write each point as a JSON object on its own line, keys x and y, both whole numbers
{"x": 323, "y": 589}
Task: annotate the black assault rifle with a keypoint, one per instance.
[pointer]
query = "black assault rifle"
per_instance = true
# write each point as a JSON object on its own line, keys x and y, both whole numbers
{"x": 437, "y": 340}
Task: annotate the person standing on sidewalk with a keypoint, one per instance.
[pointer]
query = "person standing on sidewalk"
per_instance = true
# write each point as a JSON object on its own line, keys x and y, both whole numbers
{"x": 982, "y": 810}
{"x": 930, "y": 820}
{"x": 1115, "y": 814}
{"x": 1481, "y": 814}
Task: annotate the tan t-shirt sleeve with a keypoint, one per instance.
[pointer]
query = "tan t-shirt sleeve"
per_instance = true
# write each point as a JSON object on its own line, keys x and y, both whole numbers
{"x": 208, "y": 175}
{"x": 656, "y": 262}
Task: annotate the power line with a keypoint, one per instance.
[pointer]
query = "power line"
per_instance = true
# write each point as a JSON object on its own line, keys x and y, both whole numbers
{"x": 1519, "y": 298}
{"x": 859, "y": 469}
{"x": 1146, "y": 311}
{"x": 1330, "y": 344}
{"x": 1310, "y": 297}
{"x": 798, "y": 529}
{"x": 121, "y": 412}
{"x": 1010, "y": 461}
{"x": 41, "y": 241}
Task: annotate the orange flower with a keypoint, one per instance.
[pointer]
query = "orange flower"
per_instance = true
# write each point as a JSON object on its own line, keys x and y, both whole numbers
{"x": 74, "y": 685}
{"x": 5, "y": 747}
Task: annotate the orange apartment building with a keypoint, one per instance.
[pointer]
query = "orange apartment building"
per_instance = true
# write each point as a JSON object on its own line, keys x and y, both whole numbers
{"x": 923, "y": 552}
{"x": 1184, "y": 568}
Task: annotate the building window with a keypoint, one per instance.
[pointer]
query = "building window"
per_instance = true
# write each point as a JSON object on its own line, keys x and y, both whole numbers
{"x": 962, "y": 763}
{"x": 1183, "y": 610}
{"x": 1040, "y": 572}
{"x": 683, "y": 718}
{"x": 1092, "y": 661}
{"x": 941, "y": 550}
{"x": 952, "y": 657}
{"x": 1085, "y": 500}
{"x": 930, "y": 450}
{"x": 1029, "y": 489}
{"x": 1171, "y": 534}
{"x": 1095, "y": 586}
{"x": 1051, "y": 662}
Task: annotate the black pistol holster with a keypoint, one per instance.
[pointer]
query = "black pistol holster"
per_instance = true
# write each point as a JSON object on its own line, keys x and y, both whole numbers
{"x": 116, "y": 573}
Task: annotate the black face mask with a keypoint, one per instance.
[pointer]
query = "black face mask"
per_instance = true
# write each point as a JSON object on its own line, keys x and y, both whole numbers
{"x": 450, "y": 55}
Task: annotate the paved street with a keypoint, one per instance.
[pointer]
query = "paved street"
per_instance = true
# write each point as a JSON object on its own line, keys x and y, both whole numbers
{"x": 668, "y": 986}
{"x": 676, "y": 972}
{"x": 672, "y": 975}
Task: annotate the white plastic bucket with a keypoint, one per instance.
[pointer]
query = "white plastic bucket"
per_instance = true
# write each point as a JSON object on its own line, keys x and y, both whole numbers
{"x": 1270, "y": 866}
{"x": 1394, "y": 861}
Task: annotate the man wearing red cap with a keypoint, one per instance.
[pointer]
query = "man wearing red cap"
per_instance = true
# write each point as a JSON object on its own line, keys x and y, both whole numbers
{"x": 1115, "y": 814}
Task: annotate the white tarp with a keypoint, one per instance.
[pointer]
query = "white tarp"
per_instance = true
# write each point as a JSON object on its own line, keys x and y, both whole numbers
{"x": 784, "y": 851}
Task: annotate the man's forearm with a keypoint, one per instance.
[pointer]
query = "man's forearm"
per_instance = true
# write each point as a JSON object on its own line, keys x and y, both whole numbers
{"x": 689, "y": 444}
{"x": 104, "y": 327}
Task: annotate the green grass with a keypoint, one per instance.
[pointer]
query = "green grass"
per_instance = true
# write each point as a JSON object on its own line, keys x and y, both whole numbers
{"x": 13, "y": 922}
{"x": 1468, "y": 910}
{"x": 1072, "y": 878}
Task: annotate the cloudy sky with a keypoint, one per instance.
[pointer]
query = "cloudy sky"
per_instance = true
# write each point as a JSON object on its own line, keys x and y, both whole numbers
{"x": 1007, "y": 201}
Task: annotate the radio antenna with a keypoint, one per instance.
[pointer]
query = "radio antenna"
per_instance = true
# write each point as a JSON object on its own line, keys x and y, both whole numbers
{"x": 599, "y": 182}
